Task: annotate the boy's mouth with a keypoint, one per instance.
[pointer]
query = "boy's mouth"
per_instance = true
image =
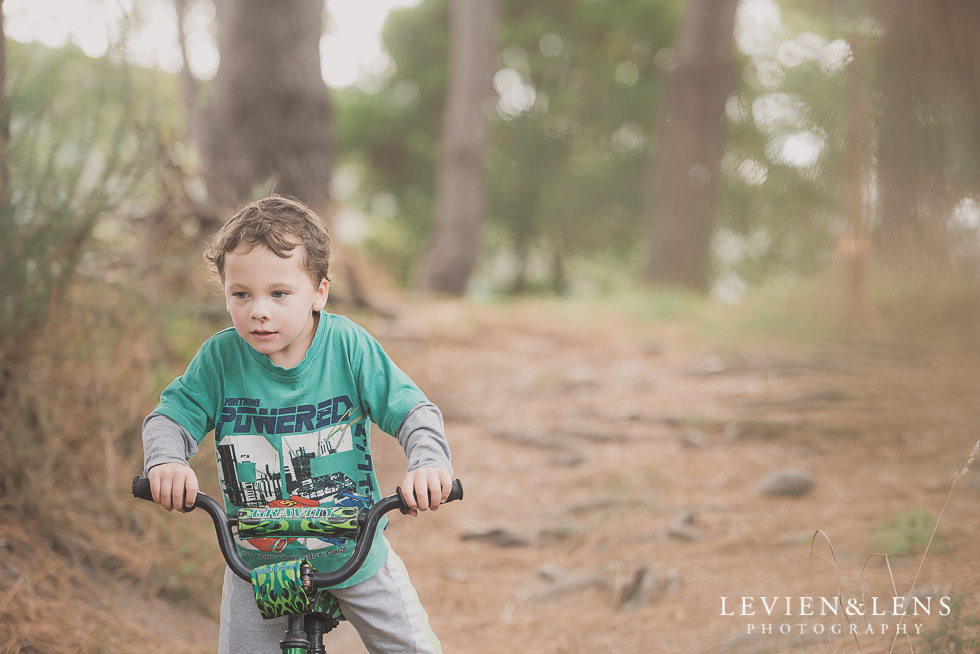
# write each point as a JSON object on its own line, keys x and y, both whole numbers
{"x": 261, "y": 333}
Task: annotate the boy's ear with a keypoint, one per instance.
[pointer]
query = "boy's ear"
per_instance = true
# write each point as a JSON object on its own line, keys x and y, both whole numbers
{"x": 320, "y": 295}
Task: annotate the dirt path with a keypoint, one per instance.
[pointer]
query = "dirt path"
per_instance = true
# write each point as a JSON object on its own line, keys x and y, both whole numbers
{"x": 600, "y": 457}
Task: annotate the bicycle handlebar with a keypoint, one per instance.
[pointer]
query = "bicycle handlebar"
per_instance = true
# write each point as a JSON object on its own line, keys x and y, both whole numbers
{"x": 360, "y": 527}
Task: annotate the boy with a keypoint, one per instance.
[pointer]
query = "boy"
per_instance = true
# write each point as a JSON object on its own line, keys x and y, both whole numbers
{"x": 290, "y": 392}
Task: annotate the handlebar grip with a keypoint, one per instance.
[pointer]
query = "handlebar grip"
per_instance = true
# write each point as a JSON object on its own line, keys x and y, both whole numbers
{"x": 455, "y": 494}
{"x": 141, "y": 491}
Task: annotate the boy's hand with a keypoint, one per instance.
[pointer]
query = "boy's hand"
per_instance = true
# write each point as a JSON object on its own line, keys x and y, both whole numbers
{"x": 171, "y": 483}
{"x": 431, "y": 488}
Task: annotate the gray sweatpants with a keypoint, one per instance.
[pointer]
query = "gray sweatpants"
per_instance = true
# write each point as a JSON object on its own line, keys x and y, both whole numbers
{"x": 384, "y": 609}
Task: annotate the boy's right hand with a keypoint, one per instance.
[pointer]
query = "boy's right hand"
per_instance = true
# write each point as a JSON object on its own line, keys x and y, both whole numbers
{"x": 173, "y": 484}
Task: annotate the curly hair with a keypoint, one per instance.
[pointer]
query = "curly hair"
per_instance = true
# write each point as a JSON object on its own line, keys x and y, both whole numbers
{"x": 280, "y": 224}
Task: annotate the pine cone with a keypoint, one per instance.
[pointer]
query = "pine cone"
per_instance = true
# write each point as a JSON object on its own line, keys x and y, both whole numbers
{"x": 787, "y": 483}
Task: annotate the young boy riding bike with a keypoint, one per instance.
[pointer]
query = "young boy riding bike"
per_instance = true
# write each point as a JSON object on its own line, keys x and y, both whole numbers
{"x": 290, "y": 392}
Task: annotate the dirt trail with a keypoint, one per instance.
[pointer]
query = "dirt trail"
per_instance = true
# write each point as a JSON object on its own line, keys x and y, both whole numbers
{"x": 600, "y": 457}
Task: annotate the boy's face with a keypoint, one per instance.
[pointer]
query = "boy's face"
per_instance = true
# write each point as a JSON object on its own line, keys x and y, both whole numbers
{"x": 272, "y": 302}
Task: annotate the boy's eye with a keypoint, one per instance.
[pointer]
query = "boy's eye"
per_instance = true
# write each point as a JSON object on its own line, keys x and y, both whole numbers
{"x": 278, "y": 295}
{"x": 240, "y": 295}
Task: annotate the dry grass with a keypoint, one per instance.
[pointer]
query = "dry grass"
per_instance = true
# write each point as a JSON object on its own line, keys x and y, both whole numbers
{"x": 80, "y": 566}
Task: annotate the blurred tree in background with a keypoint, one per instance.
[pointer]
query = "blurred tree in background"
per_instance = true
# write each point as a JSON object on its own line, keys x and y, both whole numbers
{"x": 786, "y": 171}
{"x": 688, "y": 164}
{"x": 268, "y": 127}
{"x": 462, "y": 178}
{"x": 929, "y": 134}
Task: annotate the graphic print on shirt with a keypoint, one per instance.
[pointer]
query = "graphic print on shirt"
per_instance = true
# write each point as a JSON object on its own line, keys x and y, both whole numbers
{"x": 249, "y": 470}
{"x": 306, "y": 469}
{"x": 253, "y": 473}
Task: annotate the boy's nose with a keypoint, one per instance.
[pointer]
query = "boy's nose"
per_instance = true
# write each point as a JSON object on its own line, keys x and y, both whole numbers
{"x": 258, "y": 311}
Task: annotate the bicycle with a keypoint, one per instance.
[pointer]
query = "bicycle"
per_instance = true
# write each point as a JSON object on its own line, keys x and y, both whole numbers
{"x": 293, "y": 589}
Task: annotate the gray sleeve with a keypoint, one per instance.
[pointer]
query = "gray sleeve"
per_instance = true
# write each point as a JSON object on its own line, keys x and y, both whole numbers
{"x": 423, "y": 437}
{"x": 165, "y": 441}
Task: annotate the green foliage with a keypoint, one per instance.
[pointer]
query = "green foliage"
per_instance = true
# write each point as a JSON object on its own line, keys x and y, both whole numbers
{"x": 80, "y": 147}
{"x": 576, "y": 121}
{"x": 567, "y": 170}
{"x": 908, "y": 533}
{"x": 792, "y": 90}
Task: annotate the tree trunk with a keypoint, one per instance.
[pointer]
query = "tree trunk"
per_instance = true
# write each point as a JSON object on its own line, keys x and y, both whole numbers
{"x": 929, "y": 132}
{"x": 188, "y": 85}
{"x": 900, "y": 230}
{"x": 687, "y": 167}
{"x": 270, "y": 119}
{"x": 462, "y": 177}
{"x": 4, "y": 110}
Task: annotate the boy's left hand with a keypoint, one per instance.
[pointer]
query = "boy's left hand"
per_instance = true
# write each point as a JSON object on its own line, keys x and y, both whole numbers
{"x": 431, "y": 488}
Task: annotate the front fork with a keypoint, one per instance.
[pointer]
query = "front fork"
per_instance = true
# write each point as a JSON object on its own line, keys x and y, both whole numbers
{"x": 305, "y": 633}
{"x": 295, "y": 642}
